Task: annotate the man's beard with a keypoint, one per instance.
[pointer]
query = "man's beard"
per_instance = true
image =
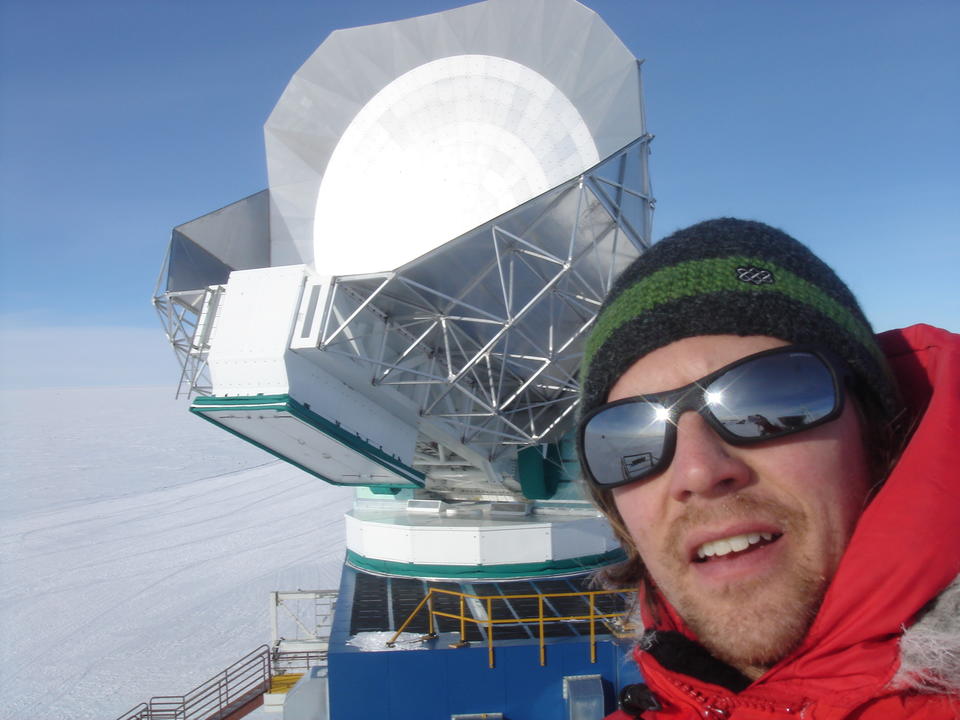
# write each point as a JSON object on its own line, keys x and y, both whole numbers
{"x": 749, "y": 624}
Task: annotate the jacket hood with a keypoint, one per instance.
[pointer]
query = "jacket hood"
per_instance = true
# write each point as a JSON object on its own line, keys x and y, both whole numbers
{"x": 906, "y": 547}
{"x": 904, "y": 551}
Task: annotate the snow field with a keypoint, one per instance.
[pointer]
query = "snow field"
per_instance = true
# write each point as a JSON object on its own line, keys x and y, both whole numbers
{"x": 138, "y": 547}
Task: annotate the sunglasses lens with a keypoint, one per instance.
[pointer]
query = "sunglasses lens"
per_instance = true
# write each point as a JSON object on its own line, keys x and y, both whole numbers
{"x": 772, "y": 395}
{"x": 624, "y": 443}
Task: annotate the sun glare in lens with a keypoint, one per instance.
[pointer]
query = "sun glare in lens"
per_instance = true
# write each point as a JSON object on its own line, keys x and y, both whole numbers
{"x": 713, "y": 397}
{"x": 660, "y": 413}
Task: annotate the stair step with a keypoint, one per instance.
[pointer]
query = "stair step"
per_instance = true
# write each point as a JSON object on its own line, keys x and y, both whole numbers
{"x": 283, "y": 683}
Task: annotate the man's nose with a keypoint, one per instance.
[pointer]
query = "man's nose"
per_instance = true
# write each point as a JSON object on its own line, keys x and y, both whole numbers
{"x": 702, "y": 462}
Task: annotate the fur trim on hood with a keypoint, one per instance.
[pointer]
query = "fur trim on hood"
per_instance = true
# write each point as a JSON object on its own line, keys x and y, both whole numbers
{"x": 930, "y": 648}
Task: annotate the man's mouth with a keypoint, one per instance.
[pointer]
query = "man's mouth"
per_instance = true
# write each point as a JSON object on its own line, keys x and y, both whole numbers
{"x": 734, "y": 546}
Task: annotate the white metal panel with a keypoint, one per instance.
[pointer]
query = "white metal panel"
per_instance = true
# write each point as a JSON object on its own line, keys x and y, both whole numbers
{"x": 388, "y": 542}
{"x": 297, "y": 441}
{"x": 437, "y": 541}
{"x": 251, "y": 332}
{"x": 250, "y": 354}
{"x": 237, "y": 234}
{"x": 525, "y": 543}
{"x": 354, "y": 534}
{"x": 580, "y": 537}
{"x": 445, "y": 546}
{"x": 335, "y": 400}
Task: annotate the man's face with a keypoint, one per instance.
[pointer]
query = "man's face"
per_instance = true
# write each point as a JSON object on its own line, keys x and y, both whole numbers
{"x": 795, "y": 500}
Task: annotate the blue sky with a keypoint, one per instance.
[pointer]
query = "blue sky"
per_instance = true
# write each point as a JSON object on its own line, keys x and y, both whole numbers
{"x": 120, "y": 119}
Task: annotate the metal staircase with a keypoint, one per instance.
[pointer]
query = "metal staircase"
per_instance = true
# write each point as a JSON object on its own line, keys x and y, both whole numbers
{"x": 228, "y": 695}
{"x": 300, "y": 636}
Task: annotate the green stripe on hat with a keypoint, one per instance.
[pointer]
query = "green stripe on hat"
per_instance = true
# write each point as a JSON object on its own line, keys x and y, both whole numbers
{"x": 712, "y": 275}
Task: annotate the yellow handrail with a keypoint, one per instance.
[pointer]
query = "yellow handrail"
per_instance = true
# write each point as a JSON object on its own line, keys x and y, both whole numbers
{"x": 593, "y": 646}
{"x": 592, "y": 616}
{"x": 490, "y": 630}
{"x": 543, "y": 652}
{"x": 392, "y": 641}
{"x": 430, "y": 632}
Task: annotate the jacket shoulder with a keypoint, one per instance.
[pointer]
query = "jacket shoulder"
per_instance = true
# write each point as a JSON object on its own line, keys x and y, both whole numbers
{"x": 909, "y": 707}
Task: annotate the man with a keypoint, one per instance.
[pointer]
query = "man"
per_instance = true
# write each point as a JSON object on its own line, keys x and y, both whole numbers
{"x": 785, "y": 484}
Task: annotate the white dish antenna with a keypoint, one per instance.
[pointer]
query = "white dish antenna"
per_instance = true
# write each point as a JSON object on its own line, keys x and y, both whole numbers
{"x": 442, "y": 149}
{"x": 450, "y": 198}
{"x": 403, "y": 310}
{"x": 393, "y": 139}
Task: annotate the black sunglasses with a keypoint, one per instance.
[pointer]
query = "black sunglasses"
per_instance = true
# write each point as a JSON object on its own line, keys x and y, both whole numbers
{"x": 760, "y": 397}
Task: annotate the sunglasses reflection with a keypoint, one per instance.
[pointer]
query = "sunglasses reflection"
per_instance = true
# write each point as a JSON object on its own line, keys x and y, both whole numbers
{"x": 638, "y": 465}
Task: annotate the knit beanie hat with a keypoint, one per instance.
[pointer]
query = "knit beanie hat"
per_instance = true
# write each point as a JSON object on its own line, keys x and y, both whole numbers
{"x": 736, "y": 277}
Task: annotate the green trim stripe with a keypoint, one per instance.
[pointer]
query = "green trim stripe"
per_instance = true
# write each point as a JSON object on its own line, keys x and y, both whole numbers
{"x": 713, "y": 275}
{"x": 253, "y": 402}
{"x": 587, "y": 563}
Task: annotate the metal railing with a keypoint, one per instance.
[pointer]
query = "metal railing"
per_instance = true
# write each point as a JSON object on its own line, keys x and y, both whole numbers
{"x": 616, "y": 622}
{"x": 250, "y": 677}
{"x": 140, "y": 712}
{"x": 298, "y": 662}
{"x": 222, "y": 695}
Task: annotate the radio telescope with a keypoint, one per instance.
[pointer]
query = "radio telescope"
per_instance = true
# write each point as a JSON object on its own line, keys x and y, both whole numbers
{"x": 403, "y": 308}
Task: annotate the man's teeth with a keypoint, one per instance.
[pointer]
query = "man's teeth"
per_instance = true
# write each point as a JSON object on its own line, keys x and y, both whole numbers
{"x": 725, "y": 546}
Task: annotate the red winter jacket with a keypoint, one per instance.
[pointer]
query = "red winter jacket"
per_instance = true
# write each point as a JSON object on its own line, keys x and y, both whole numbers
{"x": 904, "y": 552}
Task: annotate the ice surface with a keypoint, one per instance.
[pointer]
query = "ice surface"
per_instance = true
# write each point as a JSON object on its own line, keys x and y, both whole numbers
{"x": 138, "y": 546}
{"x": 377, "y": 641}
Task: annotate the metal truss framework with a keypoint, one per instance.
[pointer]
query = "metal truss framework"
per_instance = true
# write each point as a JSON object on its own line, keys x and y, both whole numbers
{"x": 184, "y": 316}
{"x": 483, "y": 335}
{"x": 306, "y": 618}
{"x": 493, "y": 351}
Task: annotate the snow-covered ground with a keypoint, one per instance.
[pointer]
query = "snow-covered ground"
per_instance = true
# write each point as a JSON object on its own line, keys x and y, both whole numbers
{"x": 138, "y": 546}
